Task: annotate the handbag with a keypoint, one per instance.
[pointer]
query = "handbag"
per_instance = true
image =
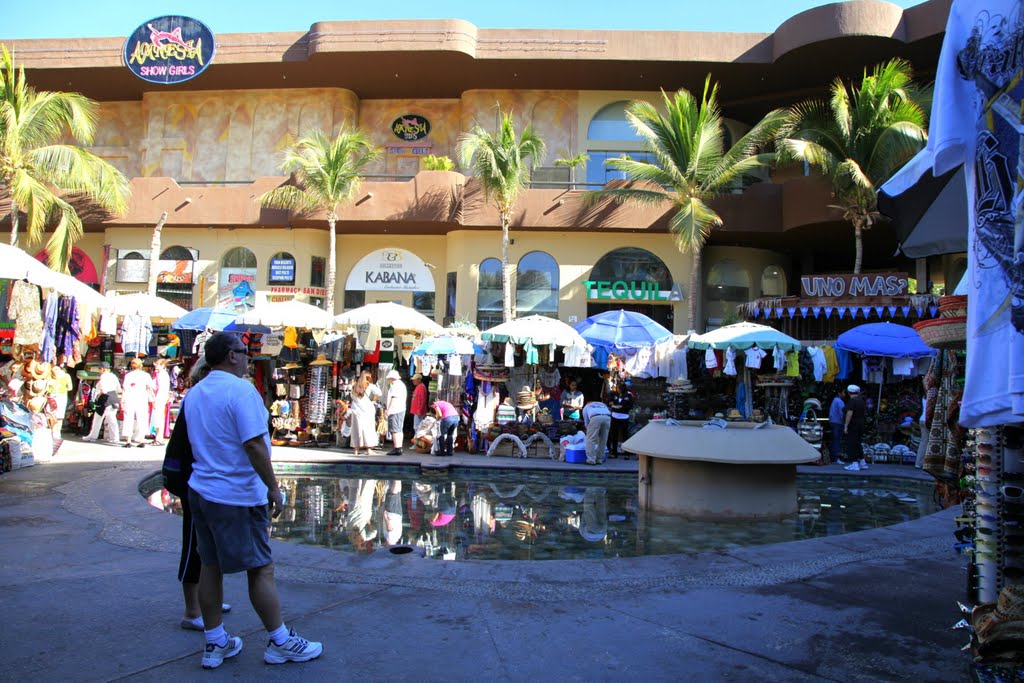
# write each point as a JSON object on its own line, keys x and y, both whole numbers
{"x": 382, "y": 425}
{"x": 178, "y": 458}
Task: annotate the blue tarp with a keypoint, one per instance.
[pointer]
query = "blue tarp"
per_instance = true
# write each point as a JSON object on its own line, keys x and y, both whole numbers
{"x": 887, "y": 340}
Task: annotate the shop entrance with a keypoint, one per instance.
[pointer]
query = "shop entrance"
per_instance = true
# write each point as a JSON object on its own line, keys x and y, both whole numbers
{"x": 659, "y": 314}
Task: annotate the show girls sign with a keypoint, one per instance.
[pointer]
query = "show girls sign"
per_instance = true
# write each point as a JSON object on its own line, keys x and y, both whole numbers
{"x": 170, "y": 49}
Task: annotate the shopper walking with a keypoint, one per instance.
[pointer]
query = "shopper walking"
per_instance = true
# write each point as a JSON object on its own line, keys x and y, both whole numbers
{"x": 233, "y": 494}
{"x": 107, "y": 392}
{"x": 419, "y": 401}
{"x": 162, "y": 396}
{"x": 856, "y": 412}
{"x": 836, "y": 420}
{"x": 448, "y": 418}
{"x": 394, "y": 410}
{"x": 598, "y": 421}
{"x": 362, "y": 416}
{"x": 138, "y": 390}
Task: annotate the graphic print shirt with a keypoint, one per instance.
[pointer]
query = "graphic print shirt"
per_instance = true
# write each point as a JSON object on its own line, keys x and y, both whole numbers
{"x": 976, "y": 120}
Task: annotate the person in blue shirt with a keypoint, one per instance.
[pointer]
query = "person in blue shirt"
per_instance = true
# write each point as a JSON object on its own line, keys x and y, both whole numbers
{"x": 835, "y": 421}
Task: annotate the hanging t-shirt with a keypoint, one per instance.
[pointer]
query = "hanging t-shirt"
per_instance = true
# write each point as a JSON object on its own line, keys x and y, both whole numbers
{"x": 510, "y": 355}
{"x": 820, "y": 364}
{"x": 779, "y": 357}
{"x": 904, "y": 367}
{"x": 730, "y": 361}
{"x": 832, "y": 363}
{"x": 754, "y": 356}
{"x": 272, "y": 344}
{"x": 976, "y": 121}
{"x": 135, "y": 333}
{"x": 710, "y": 360}
{"x": 793, "y": 364}
{"x": 291, "y": 337}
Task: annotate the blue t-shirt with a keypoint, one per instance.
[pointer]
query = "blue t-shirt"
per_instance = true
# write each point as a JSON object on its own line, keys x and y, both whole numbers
{"x": 222, "y": 413}
{"x": 835, "y": 411}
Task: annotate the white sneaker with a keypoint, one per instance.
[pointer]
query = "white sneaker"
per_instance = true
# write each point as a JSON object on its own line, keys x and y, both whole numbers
{"x": 294, "y": 649}
{"x": 853, "y": 467}
{"x": 214, "y": 655}
{"x": 863, "y": 465}
{"x": 88, "y": 438}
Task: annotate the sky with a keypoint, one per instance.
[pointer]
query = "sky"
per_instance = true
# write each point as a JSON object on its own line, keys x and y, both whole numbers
{"x": 74, "y": 18}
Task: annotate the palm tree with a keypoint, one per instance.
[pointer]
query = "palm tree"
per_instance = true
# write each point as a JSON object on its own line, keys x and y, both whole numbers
{"x": 328, "y": 176}
{"x": 859, "y": 138}
{"x": 38, "y": 171}
{"x": 502, "y": 162}
{"x": 573, "y": 163}
{"x": 690, "y": 167}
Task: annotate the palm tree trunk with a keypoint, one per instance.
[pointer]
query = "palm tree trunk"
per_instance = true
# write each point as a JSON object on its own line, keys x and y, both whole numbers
{"x": 154, "y": 253}
{"x": 14, "y": 223}
{"x": 506, "y": 274}
{"x": 693, "y": 301}
{"x": 331, "y": 266}
{"x": 859, "y": 246}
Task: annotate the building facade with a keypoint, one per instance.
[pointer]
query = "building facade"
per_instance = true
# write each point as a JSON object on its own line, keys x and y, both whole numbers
{"x": 204, "y": 150}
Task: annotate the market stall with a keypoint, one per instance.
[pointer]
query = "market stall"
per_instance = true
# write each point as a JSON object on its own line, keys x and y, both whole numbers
{"x": 755, "y": 341}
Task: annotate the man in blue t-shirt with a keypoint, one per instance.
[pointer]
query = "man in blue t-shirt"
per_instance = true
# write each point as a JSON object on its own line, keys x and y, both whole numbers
{"x": 836, "y": 419}
{"x": 231, "y": 485}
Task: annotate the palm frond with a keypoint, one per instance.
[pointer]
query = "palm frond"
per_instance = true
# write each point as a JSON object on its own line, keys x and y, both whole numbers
{"x": 692, "y": 223}
{"x": 501, "y": 161}
{"x": 67, "y": 230}
{"x": 625, "y": 194}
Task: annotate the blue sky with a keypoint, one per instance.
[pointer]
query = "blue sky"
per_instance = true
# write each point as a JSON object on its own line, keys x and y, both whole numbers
{"x": 74, "y": 18}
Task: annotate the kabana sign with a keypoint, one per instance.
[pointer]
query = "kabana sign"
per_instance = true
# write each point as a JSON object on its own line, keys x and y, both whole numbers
{"x": 847, "y": 285}
{"x": 390, "y": 269}
{"x": 411, "y": 127}
{"x": 621, "y": 290}
{"x": 169, "y": 49}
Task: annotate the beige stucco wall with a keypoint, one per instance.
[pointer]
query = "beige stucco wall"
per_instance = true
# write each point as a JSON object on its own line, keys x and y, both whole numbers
{"x": 752, "y": 261}
{"x": 376, "y": 117}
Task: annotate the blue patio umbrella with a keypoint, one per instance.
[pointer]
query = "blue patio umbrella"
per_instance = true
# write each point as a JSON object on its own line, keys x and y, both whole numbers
{"x": 888, "y": 340}
{"x": 201, "y": 319}
{"x": 620, "y": 331}
{"x": 445, "y": 345}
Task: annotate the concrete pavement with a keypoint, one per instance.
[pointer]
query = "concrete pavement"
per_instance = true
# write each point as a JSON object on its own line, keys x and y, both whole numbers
{"x": 87, "y": 574}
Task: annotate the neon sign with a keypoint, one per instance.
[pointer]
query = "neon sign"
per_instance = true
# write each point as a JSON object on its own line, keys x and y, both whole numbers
{"x": 411, "y": 127}
{"x": 169, "y": 49}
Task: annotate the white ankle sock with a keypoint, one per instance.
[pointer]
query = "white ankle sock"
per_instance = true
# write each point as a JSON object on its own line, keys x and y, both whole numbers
{"x": 217, "y": 636}
{"x": 279, "y": 634}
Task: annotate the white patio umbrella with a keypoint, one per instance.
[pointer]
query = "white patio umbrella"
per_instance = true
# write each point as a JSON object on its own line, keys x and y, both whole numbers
{"x": 389, "y": 314}
{"x": 141, "y": 303}
{"x": 287, "y": 314}
{"x": 539, "y": 329}
{"x": 741, "y": 337}
{"x": 15, "y": 264}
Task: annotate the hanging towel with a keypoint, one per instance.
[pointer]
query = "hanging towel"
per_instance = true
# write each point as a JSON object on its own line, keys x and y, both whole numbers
{"x": 510, "y": 354}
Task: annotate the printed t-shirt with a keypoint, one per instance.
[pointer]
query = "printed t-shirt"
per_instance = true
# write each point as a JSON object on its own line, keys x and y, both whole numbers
{"x": 754, "y": 357}
{"x": 976, "y": 121}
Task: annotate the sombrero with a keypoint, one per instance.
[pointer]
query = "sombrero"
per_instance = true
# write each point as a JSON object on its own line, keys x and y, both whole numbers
{"x": 37, "y": 403}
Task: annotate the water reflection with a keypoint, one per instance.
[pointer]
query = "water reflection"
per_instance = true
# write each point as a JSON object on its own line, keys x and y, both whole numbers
{"x": 511, "y": 515}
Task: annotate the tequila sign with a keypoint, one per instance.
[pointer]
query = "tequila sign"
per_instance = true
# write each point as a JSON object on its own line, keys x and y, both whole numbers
{"x": 170, "y": 49}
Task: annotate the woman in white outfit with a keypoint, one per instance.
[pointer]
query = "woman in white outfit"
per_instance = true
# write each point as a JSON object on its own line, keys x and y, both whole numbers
{"x": 137, "y": 390}
{"x": 162, "y": 386}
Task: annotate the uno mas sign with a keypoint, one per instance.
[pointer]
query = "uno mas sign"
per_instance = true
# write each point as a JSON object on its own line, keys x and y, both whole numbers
{"x": 169, "y": 49}
{"x": 875, "y": 284}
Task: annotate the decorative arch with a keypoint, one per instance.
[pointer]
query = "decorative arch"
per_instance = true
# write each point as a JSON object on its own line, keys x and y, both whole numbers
{"x": 632, "y": 264}
{"x": 236, "y": 280}
{"x": 773, "y": 281}
{"x": 728, "y": 282}
{"x": 537, "y": 285}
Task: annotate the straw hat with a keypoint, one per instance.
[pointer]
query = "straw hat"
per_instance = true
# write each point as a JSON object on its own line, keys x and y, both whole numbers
{"x": 293, "y": 366}
{"x": 322, "y": 360}
{"x": 393, "y": 374}
{"x": 734, "y": 414}
{"x": 37, "y": 403}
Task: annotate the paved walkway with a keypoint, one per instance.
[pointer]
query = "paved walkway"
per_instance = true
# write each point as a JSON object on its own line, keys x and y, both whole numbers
{"x": 87, "y": 575}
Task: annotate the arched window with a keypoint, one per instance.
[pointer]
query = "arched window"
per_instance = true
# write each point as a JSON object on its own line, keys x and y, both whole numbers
{"x": 282, "y": 269}
{"x": 632, "y": 264}
{"x": 488, "y": 295}
{"x": 537, "y": 285}
{"x": 175, "y": 276}
{"x": 610, "y": 136}
{"x": 235, "y": 286}
{"x": 773, "y": 281}
{"x": 728, "y": 280}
